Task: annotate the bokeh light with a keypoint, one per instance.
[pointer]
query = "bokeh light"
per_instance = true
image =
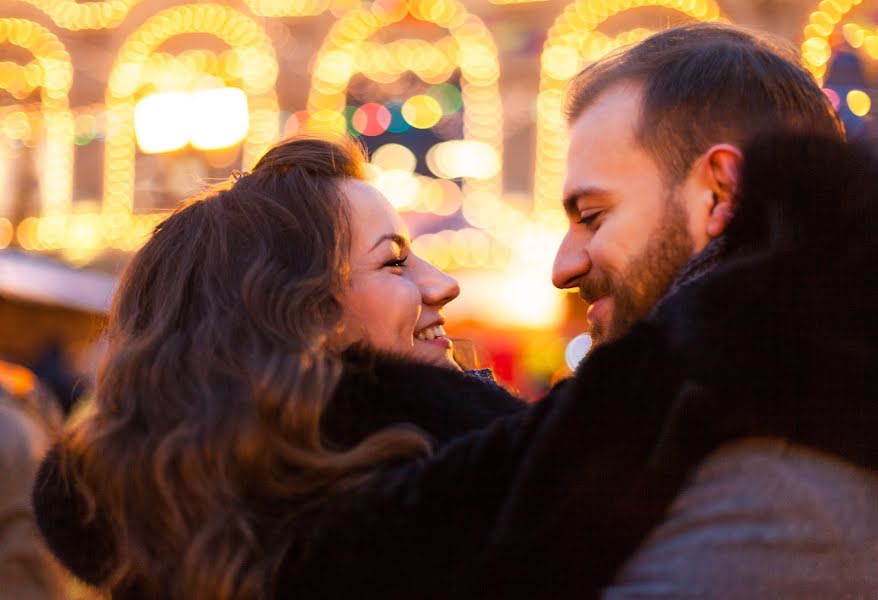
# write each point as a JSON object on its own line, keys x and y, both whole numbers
{"x": 220, "y": 118}
{"x": 6, "y": 232}
{"x": 833, "y": 97}
{"x": 161, "y": 122}
{"x": 371, "y": 119}
{"x": 448, "y": 97}
{"x": 463, "y": 158}
{"x": 394, "y": 157}
{"x": 422, "y": 111}
{"x": 859, "y": 102}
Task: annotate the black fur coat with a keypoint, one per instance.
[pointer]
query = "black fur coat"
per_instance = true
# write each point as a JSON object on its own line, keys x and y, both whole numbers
{"x": 548, "y": 502}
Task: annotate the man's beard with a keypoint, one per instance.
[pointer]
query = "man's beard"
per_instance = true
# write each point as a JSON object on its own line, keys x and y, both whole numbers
{"x": 648, "y": 276}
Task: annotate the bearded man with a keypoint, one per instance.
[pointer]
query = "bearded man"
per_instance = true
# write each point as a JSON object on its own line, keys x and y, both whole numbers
{"x": 717, "y": 442}
{"x": 655, "y": 138}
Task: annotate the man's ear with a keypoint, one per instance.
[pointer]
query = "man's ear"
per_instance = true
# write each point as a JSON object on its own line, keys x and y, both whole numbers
{"x": 720, "y": 169}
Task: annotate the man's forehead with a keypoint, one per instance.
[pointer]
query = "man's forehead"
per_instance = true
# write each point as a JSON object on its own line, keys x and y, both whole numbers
{"x": 602, "y": 137}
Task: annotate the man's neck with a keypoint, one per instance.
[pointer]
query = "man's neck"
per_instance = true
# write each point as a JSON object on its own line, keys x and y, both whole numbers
{"x": 698, "y": 266}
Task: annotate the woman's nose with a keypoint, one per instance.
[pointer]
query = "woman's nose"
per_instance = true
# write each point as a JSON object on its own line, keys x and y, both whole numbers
{"x": 437, "y": 288}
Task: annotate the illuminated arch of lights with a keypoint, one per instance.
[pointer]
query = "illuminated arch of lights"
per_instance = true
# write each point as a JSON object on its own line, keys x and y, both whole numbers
{"x": 74, "y": 15}
{"x": 347, "y": 51}
{"x": 52, "y": 71}
{"x": 816, "y": 50}
{"x": 257, "y": 79}
{"x": 572, "y": 40}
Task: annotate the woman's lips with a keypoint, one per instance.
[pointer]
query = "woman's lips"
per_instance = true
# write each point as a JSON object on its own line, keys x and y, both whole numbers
{"x": 440, "y": 342}
{"x": 434, "y": 335}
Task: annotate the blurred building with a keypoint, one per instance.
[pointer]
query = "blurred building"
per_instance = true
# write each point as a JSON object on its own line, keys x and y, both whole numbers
{"x": 113, "y": 111}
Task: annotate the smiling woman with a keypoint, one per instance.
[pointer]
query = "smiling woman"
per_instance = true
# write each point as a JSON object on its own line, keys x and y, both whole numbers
{"x": 394, "y": 297}
{"x": 274, "y": 346}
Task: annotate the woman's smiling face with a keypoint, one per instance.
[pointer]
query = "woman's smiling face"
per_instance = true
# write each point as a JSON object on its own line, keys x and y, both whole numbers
{"x": 394, "y": 299}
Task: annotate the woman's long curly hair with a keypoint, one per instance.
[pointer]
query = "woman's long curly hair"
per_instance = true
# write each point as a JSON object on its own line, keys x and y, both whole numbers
{"x": 205, "y": 436}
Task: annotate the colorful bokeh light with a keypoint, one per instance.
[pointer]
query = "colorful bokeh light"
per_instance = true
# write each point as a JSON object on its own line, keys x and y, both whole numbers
{"x": 371, "y": 119}
{"x": 859, "y": 102}
{"x": 422, "y": 111}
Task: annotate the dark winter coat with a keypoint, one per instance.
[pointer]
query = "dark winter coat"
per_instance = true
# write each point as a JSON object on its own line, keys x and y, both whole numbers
{"x": 780, "y": 340}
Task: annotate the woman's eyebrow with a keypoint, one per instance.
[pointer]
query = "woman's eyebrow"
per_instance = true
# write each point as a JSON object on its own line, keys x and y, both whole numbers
{"x": 396, "y": 238}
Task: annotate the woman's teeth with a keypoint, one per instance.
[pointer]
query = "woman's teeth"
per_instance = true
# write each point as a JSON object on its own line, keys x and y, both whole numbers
{"x": 431, "y": 333}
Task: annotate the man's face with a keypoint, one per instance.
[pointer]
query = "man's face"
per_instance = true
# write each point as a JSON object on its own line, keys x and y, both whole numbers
{"x": 629, "y": 232}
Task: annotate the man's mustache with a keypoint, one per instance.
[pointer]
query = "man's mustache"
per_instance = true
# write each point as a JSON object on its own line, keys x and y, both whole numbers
{"x": 593, "y": 287}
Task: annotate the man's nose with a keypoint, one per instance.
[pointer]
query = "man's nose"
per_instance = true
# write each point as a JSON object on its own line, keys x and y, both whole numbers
{"x": 571, "y": 264}
{"x": 437, "y": 288}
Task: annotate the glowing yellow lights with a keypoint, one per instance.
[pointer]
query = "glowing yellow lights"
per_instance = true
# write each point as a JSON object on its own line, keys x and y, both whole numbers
{"x": 572, "y": 42}
{"x": 161, "y": 122}
{"x": 74, "y": 15}
{"x": 251, "y": 57}
{"x": 466, "y": 248}
{"x": 816, "y": 49}
{"x": 208, "y": 119}
{"x": 219, "y": 118}
{"x": 288, "y": 8}
{"x": 71, "y": 14}
{"x": 470, "y": 48}
{"x": 861, "y": 37}
{"x": 52, "y": 72}
{"x": 561, "y": 62}
{"x": 422, "y": 111}
{"x": 20, "y": 80}
{"x": 399, "y": 187}
{"x": 394, "y": 156}
{"x": 463, "y": 158}
{"x": 6, "y": 232}
{"x": 859, "y": 102}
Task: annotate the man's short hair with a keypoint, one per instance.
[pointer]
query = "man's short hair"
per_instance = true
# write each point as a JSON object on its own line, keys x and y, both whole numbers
{"x": 708, "y": 83}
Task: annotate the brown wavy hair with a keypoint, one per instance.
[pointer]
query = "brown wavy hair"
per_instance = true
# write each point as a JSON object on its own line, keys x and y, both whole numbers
{"x": 205, "y": 437}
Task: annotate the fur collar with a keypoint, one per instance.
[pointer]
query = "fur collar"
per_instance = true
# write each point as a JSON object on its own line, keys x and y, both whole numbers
{"x": 378, "y": 389}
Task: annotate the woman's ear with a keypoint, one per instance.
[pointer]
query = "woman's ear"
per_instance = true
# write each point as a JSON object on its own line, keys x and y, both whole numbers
{"x": 721, "y": 170}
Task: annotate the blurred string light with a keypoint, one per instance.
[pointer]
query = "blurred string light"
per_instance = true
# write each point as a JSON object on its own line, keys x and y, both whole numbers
{"x": 71, "y": 14}
{"x": 254, "y": 61}
{"x": 288, "y": 8}
{"x": 20, "y": 80}
{"x": 467, "y": 248}
{"x": 167, "y": 121}
{"x": 6, "y": 232}
{"x": 859, "y": 102}
{"x": 470, "y": 47}
{"x": 816, "y": 48}
{"x": 833, "y": 96}
{"x": 463, "y": 158}
{"x": 573, "y": 41}
{"x": 74, "y": 15}
{"x": 22, "y": 123}
{"x": 53, "y": 74}
{"x": 392, "y": 169}
{"x": 859, "y": 36}
{"x": 250, "y": 62}
{"x": 421, "y": 111}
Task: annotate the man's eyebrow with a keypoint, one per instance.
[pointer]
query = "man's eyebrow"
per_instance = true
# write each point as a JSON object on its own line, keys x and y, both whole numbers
{"x": 572, "y": 198}
{"x": 396, "y": 238}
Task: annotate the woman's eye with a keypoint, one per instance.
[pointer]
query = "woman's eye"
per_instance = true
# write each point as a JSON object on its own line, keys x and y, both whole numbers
{"x": 396, "y": 262}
